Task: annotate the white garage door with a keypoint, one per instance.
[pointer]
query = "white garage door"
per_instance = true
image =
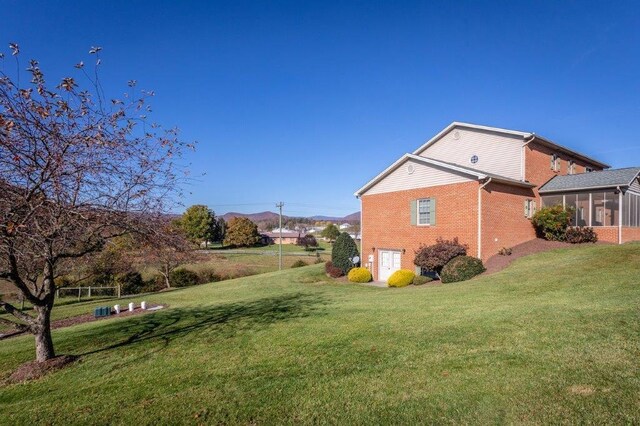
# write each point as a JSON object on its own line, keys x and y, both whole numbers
{"x": 389, "y": 262}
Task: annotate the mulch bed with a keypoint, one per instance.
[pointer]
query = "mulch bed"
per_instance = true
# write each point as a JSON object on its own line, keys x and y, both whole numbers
{"x": 497, "y": 262}
{"x": 80, "y": 319}
{"x": 35, "y": 370}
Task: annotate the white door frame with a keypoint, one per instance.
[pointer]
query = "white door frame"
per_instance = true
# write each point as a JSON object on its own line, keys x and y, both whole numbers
{"x": 391, "y": 260}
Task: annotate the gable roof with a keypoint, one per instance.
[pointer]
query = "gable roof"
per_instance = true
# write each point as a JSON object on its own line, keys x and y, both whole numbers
{"x": 480, "y": 175}
{"x": 524, "y": 135}
{"x": 592, "y": 180}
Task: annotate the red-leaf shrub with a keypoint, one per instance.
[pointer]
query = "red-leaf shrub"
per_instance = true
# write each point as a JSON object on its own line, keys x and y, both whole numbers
{"x": 332, "y": 271}
{"x": 580, "y": 235}
{"x": 434, "y": 257}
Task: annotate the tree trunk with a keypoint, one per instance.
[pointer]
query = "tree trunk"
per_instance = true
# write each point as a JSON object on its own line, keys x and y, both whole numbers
{"x": 42, "y": 331}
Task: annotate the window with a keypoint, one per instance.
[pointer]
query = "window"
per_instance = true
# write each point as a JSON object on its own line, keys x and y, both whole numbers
{"x": 572, "y": 167}
{"x": 612, "y": 211}
{"x": 552, "y": 200}
{"x": 529, "y": 208}
{"x": 555, "y": 163}
{"x": 582, "y": 210}
{"x": 424, "y": 214}
{"x": 589, "y": 169}
{"x": 597, "y": 209}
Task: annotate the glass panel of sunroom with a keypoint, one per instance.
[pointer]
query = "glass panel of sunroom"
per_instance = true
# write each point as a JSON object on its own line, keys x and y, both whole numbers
{"x": 582, "y": 210}
{"x": 551, "y": 200}
{"x": 612, "y": 209}
{"x": 625, "y": 209}
{"x": 597, "y": 209}
{"x": 570, "y": 203}
{"x": 633, "y": 201}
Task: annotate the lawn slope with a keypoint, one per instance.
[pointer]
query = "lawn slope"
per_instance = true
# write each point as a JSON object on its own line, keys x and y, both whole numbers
{"x": 553, "y": 338}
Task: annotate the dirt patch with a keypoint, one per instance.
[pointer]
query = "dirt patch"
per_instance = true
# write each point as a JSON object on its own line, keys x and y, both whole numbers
{"x": 497, "y": 262}
{"x": 80, "y": 319}
{"x": 35, "y": 370}
{"x": 582, "y": 390}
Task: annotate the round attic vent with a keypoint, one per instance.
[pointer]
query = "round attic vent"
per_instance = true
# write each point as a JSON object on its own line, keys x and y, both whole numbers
{"x": 410, "y": 168}
{"x": 456, "y": 135}
{"x": 473, "y": 159}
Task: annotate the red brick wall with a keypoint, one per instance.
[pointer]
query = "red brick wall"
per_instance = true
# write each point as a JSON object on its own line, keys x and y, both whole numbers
{"x": 630, "y": 234}
{"x": 503, "y": 220}
{"x": 386, "y": 220}
{"x": 538, "y": 164}
{"x": 610, "y": 234}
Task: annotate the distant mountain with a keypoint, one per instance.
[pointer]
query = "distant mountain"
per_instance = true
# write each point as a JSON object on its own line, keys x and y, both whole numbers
{"x": 353, "y": 217}
{"x": 265, "y": 216}
{"x": 254, "y": 217}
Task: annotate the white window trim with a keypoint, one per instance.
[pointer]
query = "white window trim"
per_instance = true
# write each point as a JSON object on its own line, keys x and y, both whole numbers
{"x": 418, "y": 212}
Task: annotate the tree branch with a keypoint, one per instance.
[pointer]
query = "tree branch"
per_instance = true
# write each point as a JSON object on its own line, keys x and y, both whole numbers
{"x": 17, "y": 313}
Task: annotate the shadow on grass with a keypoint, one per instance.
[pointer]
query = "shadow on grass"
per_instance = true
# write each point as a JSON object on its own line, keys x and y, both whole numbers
{"x": 210, "y": 321}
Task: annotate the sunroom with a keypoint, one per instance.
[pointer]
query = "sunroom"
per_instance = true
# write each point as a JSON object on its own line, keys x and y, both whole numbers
{"x": 608, "y": 198}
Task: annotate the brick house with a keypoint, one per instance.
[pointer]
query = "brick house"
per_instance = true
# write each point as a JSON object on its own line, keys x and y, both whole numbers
{"x": 482, "y": 184}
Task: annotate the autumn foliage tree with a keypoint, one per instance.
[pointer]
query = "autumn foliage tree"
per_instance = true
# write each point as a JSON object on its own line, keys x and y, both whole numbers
{"x": 241, "y": 232}
{"x": 77, "y": 169}
{"x": 199, "y": 224}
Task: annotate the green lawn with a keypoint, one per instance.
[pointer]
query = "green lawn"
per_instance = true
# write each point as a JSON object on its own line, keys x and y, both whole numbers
{"x": 555, "y": 338}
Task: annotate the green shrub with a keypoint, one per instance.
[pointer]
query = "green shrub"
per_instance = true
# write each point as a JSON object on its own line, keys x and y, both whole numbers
{"x": 580, "y": 235}
{"x": 130, "y": 282}
{"x": 344, "y": 249}
{"x": 359, "y": 275}
{"x": 183, "y": 278}
{"x": 332, "y": 271}
{"x": 461, "y": 268}
{"x": 299, "y": 263}
{"x": 154, "y": 284}
{"x": 551, "y": 223}
{"x": 401, "y": 278}
{"x": 434, "y": 257}
{"x": 421, "y": 279}
{"x": 208, "y": 276}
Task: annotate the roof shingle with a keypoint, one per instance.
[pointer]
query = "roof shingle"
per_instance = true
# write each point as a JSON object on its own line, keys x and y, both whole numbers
{"x": 600, "y": 179}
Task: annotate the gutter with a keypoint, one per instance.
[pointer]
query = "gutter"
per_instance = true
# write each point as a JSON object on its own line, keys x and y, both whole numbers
{"x": 487, "y": 182}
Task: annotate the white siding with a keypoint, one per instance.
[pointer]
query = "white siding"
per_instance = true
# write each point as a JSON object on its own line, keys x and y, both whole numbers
{"x": 497, "y": 153}
{"x": 635, "y": 186}
{"x": 423, "y": 176}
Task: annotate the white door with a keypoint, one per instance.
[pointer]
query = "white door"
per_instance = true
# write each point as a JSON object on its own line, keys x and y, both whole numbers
{"x": 388, "y": 263}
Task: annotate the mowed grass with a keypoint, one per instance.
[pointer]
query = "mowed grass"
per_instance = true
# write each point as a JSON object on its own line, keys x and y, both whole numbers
{"x": 555, "y": 338}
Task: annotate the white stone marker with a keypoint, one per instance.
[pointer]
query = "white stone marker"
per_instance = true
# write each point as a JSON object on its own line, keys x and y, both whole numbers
{"x": 132, "y": 306}
{"x": 116, "y": 308}
{"x": 143, "y": 305}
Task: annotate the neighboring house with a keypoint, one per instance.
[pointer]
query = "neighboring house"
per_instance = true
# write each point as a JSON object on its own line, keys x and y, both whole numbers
{"x": 288, "y": 237}
{"x": 345, "y": 226}
{"x": 482, "y": 185}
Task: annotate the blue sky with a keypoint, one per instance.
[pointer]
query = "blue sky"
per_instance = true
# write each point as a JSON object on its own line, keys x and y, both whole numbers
{"x": 304, "y": 102}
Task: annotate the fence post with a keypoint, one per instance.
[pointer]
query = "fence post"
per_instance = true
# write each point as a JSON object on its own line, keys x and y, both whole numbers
{"x": 118, "y": 291}
{"x": 57, "y": 293}
{"x": 79, "y": 293}
{"x": 89, "y": 292}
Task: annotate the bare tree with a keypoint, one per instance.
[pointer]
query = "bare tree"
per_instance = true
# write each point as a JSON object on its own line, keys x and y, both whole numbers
{"x": 167, "y": 253}
{"x": 76, "y": 169}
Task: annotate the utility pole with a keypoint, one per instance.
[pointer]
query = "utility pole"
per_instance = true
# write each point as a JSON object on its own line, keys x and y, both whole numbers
{"x": 280, "y": 205}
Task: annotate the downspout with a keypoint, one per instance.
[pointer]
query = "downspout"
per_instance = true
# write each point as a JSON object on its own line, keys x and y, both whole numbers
{"x": 487, "y": 182}
{"x": 619, "y": 215}
{"x": 362, "y": 239}
{"x": 523, "y": 163}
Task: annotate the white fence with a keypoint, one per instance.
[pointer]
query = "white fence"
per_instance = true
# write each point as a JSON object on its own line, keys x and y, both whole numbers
{"x": 89, "y": 291}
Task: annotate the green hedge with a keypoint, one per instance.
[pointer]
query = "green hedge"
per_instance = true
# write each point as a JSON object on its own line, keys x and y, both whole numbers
{"x": 461, "y": 268}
